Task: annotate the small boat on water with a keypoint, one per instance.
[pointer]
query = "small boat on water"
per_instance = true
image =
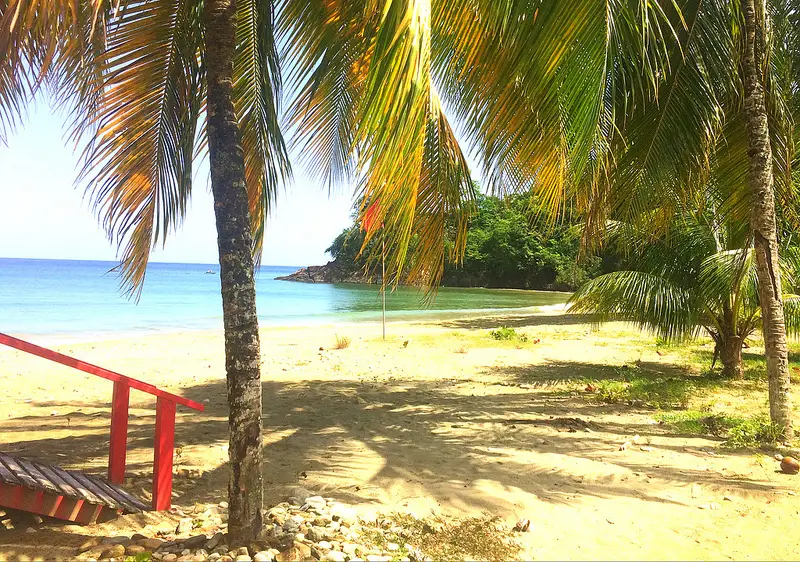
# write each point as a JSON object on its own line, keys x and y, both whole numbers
{"x": 210, "y": 272}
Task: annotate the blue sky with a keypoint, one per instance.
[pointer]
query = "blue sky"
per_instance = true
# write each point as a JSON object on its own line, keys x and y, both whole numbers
{"x": 43, "y": 214}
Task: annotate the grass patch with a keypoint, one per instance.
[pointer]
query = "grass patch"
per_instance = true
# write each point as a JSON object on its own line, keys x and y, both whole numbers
{"x": 739, "y": 433}
{"x": 436, "y": 538}
{"x": 753, "y": 432}
{"x": 504, "y": 333}
{"x": 342, "y": 342}
{"x": 638, "y": 388}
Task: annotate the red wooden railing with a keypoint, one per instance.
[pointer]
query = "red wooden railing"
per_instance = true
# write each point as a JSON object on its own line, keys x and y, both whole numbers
{"x": 165, "y": 419}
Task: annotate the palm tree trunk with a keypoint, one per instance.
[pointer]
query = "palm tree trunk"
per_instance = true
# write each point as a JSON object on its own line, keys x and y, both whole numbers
{"x": 730, "y": 353}
{"x": 762, "y": 222}
{"x": 234, "y": 239}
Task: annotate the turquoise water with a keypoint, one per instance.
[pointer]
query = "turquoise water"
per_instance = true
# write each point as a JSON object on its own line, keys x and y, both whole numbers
{"x": 83, "y": 297}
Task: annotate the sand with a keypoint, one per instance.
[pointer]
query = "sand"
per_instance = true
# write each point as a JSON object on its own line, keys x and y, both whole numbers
{"x": 452, "y": 421}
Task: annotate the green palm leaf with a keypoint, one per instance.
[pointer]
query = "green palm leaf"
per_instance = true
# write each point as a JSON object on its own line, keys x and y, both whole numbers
{"x": 642, "y": 298}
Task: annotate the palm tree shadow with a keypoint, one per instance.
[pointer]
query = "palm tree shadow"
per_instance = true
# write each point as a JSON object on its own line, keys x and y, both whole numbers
{"x": 472, "y": 444}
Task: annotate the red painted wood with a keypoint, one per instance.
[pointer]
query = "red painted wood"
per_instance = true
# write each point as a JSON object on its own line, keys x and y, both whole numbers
{"x": 162, "y": 459}
{"x": 68, "y": 509}
{"x": 45, "y": 353}
{"x": 51, "y": 504}
{"x": 118, "y": 443}
{"x": 43, "y": 503}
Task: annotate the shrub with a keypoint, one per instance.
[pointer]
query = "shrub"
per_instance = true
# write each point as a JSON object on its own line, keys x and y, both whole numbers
{"x": 738, "y": 432}
{"x": 342, "y": 342}
{"x": 504, "y": 333}
{"x": 753, "y": 432}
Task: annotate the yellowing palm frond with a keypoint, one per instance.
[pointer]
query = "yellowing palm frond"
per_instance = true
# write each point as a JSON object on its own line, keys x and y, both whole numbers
{"x": 139, "y": 164}
{"x": 256, "y": 89}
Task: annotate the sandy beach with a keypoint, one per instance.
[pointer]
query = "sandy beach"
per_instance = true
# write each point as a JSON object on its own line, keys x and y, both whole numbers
{"x": 439, "y": 417}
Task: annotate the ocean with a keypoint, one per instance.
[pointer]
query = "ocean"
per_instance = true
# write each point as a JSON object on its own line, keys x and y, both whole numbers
{"x": 67, "y": 297}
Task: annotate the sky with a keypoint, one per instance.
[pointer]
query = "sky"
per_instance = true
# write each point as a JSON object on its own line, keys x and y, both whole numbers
{"x": 43, "y": 214}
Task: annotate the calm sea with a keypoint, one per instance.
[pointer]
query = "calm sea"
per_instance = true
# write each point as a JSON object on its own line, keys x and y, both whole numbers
{"x": 63, "y": 297}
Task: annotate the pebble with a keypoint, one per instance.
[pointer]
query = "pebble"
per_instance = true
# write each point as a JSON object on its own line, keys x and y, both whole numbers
{"x": 316, "y": 502}
{"x": 263, "y": 556}
{"x": 378, "y": 558}
{"x": 184, "y": 526}
{"x": 214, "y": 541}
{"x": 335, "y": 556}
{"x": 151, "y": 544}
{"x": 195, "y": 542}
{"x": 317, "y": 534}
{"x": 114, "y": 551}
{"x": 325, "y": 544}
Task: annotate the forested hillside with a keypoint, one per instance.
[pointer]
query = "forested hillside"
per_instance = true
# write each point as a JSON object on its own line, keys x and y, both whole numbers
{"x": 508, "y": 246}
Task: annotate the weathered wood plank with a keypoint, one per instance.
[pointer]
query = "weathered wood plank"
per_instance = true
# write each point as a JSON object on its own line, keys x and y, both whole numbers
{"x": 6, "y": 475}
{"x": 96, "y": 490}
{"x": 84, "y": 492}
{"x": 37, "y": 475}
{"x": 24, "y": 478}
{"x": 123, "y": 499}
{"x": 64, "y": 486}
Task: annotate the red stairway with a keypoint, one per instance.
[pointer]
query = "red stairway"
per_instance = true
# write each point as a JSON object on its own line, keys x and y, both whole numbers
{"x": 74, "y": 496}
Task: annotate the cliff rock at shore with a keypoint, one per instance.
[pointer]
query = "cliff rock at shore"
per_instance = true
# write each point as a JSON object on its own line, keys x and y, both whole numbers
{"x": 332, "y": 272}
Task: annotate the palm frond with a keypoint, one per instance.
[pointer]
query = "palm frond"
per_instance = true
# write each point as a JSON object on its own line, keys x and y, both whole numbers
{"x": 670, "y": 139}
{"x": 445, "y": 201}
{"x": 532, "y": 80}
{"x": 649, "y": 301}
{"x": 256, "y": 91}
{"x": 327, "y": 52}
{"x": 791, "y": 312}
{"x": 728, "y": 279}
{"x": 139, "y": 165}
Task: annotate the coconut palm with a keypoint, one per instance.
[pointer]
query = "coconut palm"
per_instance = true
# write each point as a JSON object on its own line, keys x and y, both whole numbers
{"x": 612, "y": 106}
{"x": 146, "y": 86}
{"x": 150, "y": 85}
{"x": 698, "y": 278}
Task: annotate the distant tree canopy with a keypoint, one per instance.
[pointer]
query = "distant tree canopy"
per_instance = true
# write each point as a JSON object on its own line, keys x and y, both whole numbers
{"x": 505, "y": 249}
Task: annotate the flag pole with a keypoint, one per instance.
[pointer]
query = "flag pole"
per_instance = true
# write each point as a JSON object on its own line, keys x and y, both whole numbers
{"x": 383, "y": 283}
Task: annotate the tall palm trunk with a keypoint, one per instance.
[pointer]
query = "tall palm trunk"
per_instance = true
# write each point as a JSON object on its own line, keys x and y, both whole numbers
{"x": 762, "y": 220}
{"x": 245, "y": 488}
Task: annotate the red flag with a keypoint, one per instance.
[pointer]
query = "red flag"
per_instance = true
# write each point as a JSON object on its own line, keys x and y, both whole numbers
{"x": 371, "y": 216}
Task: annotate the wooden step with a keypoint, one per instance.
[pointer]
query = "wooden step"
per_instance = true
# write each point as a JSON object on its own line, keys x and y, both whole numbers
{"x": 49, "y": 490}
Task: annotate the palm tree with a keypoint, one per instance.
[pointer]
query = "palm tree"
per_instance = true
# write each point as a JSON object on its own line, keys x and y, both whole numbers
{"x": 147, "y": 85}
{"x": 611, "y": 106}
{"x": 698, "y": 278}
{"x": 150, "y": 85}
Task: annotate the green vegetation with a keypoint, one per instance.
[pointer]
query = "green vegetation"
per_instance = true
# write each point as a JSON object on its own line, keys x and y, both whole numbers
{"x": 504, "y": 333}
{"x": 637, "y": 387}
{"x": 752, "y": 432}
{"x": 508, "y": 245}
{"x": 699, "y": 277}
{"x": 437, "y": 538}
